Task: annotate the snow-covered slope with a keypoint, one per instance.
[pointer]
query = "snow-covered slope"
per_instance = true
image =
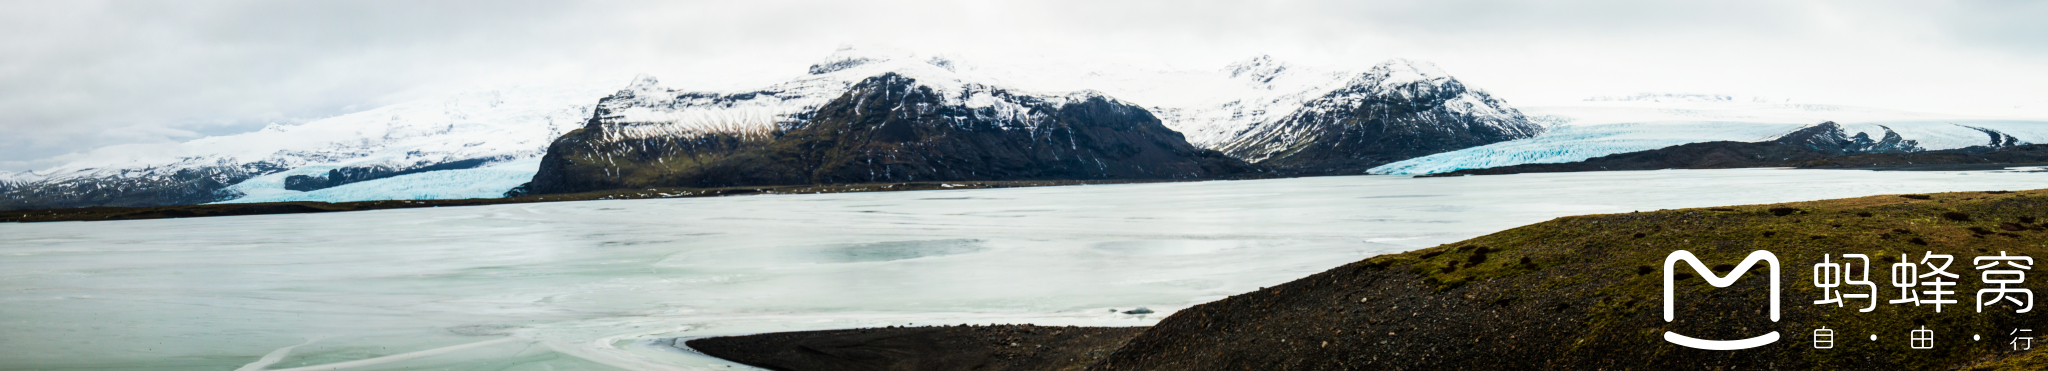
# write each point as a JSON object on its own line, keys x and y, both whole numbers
{"x": 1650, "y": 121}
{"x": 1260, "y": 106}
{"x": 494, "y": 125}
{"x": 1210, "y": 107}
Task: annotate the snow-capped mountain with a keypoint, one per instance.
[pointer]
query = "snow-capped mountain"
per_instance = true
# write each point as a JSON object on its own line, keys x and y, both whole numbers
{"x": 1215, "y": 108}
{"x": 475, "y": 129}
{"x": 1301, "y": 119}
{"x": 1398, "y": 110}
{"x": 1597, "y": 128}
{"x": 903, "y": 120}
{"x": 1305, "y": 119}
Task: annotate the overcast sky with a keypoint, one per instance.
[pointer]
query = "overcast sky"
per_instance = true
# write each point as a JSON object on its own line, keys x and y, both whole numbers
{"x": 75, "y": 75}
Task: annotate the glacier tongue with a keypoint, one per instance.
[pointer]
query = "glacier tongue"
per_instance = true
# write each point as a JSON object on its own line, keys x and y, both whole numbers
{"x": 1580, "y": 142}
{"x": 483, "y": 182}
{"x": 1605, "y": 126}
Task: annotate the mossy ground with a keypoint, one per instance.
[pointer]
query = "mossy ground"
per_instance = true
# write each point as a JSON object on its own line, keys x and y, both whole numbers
{"x": 1886, "y": 228}
{"x": 1585, "y": 292}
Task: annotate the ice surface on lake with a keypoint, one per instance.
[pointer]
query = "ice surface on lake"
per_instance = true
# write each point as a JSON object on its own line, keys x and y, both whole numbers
{"x": 595, "y": 285}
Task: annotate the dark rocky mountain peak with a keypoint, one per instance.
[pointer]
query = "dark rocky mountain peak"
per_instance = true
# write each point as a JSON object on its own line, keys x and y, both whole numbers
{"x": 1830, "y": 138}
{"x": 1998, "y": 139}
{"x": 1418, "y": 81}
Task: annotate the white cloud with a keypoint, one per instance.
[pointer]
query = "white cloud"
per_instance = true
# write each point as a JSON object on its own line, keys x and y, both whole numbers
{"x": 79, "y": 74}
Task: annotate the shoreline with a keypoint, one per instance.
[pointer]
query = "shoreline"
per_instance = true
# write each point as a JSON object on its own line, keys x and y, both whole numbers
{"x": 114, "y": 213}
{"x": 1527, "y": 297}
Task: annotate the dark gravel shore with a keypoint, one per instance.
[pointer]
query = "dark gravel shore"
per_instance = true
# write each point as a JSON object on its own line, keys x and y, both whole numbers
{"x": 996, "y": 347}
{"x": 98, "y": 213}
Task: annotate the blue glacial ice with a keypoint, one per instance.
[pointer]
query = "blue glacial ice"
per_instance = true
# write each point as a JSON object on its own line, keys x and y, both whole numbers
{"x": 1580, "y": 142}
{"x": 1569, "y": 143}
{"x": 483, "y": 182}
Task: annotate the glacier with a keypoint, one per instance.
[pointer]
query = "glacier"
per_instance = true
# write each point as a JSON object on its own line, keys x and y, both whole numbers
{"x": 1576, "y": 143}
{"x": 489, "y": 181}
{"x": 1605, "y": 126}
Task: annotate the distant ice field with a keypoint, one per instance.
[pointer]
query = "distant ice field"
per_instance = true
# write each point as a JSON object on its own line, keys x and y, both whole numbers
{"x": 1579, "y": 142}
{"x": 1577, "y": 133}
{"x": 603, "y": 285}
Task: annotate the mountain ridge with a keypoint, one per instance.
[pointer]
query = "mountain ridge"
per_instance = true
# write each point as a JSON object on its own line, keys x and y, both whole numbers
{"x": 485, "y": 131}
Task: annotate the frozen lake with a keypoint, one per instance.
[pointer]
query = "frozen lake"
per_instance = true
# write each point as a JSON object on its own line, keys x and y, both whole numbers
{"x": 598, "y": 284}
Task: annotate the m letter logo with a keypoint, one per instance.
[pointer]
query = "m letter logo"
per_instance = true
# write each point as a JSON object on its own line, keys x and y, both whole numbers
{"x": 1670, "y": 265}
